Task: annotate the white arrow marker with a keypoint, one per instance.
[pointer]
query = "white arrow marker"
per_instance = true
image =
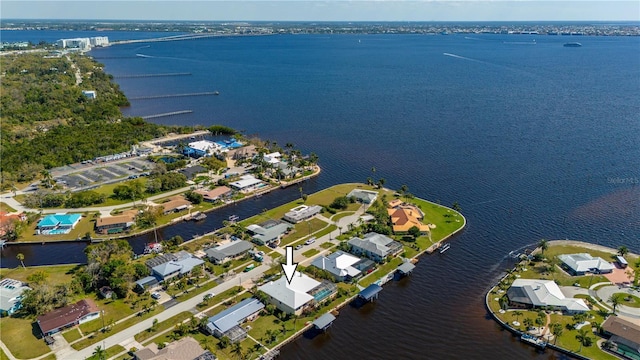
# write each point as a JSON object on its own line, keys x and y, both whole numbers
{"x": 290, "y": 267}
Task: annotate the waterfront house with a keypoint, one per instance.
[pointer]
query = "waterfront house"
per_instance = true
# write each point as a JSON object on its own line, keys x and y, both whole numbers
{"x": 186, "y": 348}
{"x": 11, "y": 295}
{"x": 175, "y": 204}
{"x": 57, "y": 224}
{"x": 68, "y": 316}
{"x": 227, "y": 252}
{"x": 302, "y": 212}
{"x": 375, "y": 246}
{"x": 339, "y": 264}
{"x": 247, "y": 183}
{"x": 268, "y": 231}
{"x": 625, "y": 334}
{"x": 287, "y": 170}
{"x": 167, "y": 266}
{"x": 273, "y": 158}
{"x": 219, "y": 193}
{"x": 227, "y": 323}
{"x": 115, "y": 224}
{"x": 535, "y": 293}
{"x": 303, "y": 292}
{"x": 244, "y": 152}
{"x": 364, "y": 196}
{"x": 581, "y": 264}
{"x": 405, "y": 216}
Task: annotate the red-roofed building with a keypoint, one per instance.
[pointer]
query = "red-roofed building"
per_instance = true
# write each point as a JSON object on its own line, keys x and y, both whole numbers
{"x": 68, "y": 316}
{"x": 7, "y": 221}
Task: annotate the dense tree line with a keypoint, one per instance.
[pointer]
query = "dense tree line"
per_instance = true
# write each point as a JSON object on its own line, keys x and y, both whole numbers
{"x": 48, "y": 122}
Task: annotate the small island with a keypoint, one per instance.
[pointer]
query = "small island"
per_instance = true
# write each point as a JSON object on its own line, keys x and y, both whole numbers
{"x": 578, "y": 298}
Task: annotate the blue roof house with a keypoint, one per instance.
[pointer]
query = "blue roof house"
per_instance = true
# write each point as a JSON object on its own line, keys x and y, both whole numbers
{"x": 57, "y": 224}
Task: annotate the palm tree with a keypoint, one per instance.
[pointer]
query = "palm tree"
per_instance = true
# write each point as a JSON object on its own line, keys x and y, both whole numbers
{"x": 369, "y": 181}
{"x": 527, "y": 322}
{"x": 623, "y": 250}
{"x": 381, "y": 182}
{"x": 556, "y": 330}
{"x": 47, "y": 180}
{"x": 615, "y": 300}
{"x": 237, "y": 350}
{"x": 517, "y": 314}
{"x": 20, "y": 258}
{"x": 456, "y": 206}
{"x": 543, "y": 245}
{"x": 583, "y": 337}
{"x": 99, "y": 353}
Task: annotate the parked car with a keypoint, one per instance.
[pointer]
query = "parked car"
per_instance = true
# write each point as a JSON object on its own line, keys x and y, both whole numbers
{"x": 208, "y": 296}
{"x": 298, "y": 247}
{"x": 310, "y": 241}
{"x": 249, "y": 268}
{"x": 156, "y": 295}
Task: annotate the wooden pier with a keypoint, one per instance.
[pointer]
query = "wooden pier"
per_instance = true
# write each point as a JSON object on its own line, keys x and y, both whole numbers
{"x": 206, "y": 93}
{"x": 133, "y": 76}
{"x": 167, "y": 114}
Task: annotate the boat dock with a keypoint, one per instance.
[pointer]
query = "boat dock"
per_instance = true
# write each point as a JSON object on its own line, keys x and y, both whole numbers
{"x": 134, "y": 76}
{"x": 150, "y": 97}
{"x": 167, "y": 114}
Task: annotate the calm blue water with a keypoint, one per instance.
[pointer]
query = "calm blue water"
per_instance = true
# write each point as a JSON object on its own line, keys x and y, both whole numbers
{"x": 534, "y": 141}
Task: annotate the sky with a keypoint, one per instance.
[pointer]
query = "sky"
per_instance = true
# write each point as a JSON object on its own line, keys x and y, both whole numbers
{"x": 328, "y": 10}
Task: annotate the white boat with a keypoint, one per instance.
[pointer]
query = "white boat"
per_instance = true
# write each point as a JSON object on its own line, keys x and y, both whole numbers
{"x": 445, "y": 247}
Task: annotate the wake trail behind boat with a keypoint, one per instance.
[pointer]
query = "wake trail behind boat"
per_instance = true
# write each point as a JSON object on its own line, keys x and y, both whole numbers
{"x": 465, "y": 58}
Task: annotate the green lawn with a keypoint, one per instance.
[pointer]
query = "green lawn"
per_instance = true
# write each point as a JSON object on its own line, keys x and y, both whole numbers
{"x": 58, "y": 274}
{"x": 72, "y": 335}
{"x": 6, "y": 208}
{"x": 556, "y": 250}
{"x": 633, "y": 302}
{"x": 310, "y": 252}
{"x": 85, "y": 225}
{"x": 327, "y": 245}
{"x": 22, "y": 337}
{"x": 98, "y": 336}
{"x": 303, "y": 229}
{"x": 162, "y": 326}
{"x": 112, "y": 351}
{"x": 3, "y": 356}
{"x": 340, "y": 215}
{"x": 381, "y": 271}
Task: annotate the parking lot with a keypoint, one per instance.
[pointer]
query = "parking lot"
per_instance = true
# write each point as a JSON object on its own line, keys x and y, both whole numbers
{"x": 87, "y": 175}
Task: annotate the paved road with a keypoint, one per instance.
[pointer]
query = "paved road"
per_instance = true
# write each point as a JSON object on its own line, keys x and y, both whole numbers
{"x": 605, "y": 293}
{"x": 126, "y": 334}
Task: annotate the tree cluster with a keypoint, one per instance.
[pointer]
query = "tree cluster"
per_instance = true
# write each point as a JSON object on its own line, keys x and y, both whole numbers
{"x": 110, "y": 263}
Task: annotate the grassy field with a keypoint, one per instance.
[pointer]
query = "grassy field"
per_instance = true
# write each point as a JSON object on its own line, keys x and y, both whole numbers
{"x": 302, "y": 230}
{"x": 340, "y": 215}
{"x": 327, "y": 245}
{"x": 310, "y": 252}
{"x": 58, "y": 274}
{"x": 381, "y": 271}
{"x": 3, "y": 356}
{"x": 22, "y": 337}
{"x": 72, "y": 335}
{"x": 112, "y": 351}
{"x": 162, "y": 326}
{"x": 85, "y": 225}
{"x": 6, "y": 208}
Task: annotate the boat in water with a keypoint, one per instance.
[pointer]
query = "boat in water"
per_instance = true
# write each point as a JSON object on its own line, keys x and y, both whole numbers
{"x": 532, "y": 340}
{"x": 445, "y": 247}
{"x": 152, "y": 248}
{"x": 572, "y": 44}
{"x": 198, "y": 216}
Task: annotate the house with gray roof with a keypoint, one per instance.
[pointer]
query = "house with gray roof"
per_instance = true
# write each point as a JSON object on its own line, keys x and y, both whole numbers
{"x": 302, "y": 212}
{"x": 375, "y": 246}
{"x": 580, "y": 264}
{"x": 339, "y": 264}
{"x": 227, "y": 323}
{"x": 186, "y": 348}
{"x": 299, "y": 294}
{"x": 229, "y": 251}
{"x": 535, "y": 293}
{"x": 265, "y": 233}
{"x": 11, "y": 295}
{"x": 182, "y": 265}
{"x": 364, "y": 196}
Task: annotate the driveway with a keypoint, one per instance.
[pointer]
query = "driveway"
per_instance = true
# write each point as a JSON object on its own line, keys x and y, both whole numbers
{"x": 605, "y": 293}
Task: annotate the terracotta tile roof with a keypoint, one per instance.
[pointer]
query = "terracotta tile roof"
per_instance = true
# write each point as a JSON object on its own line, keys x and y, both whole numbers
{"x": 405, "y": 219}
{"x": 63, "y": 316}
{"x": 174, "y": 204}
{"x": 215, "y": 193}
